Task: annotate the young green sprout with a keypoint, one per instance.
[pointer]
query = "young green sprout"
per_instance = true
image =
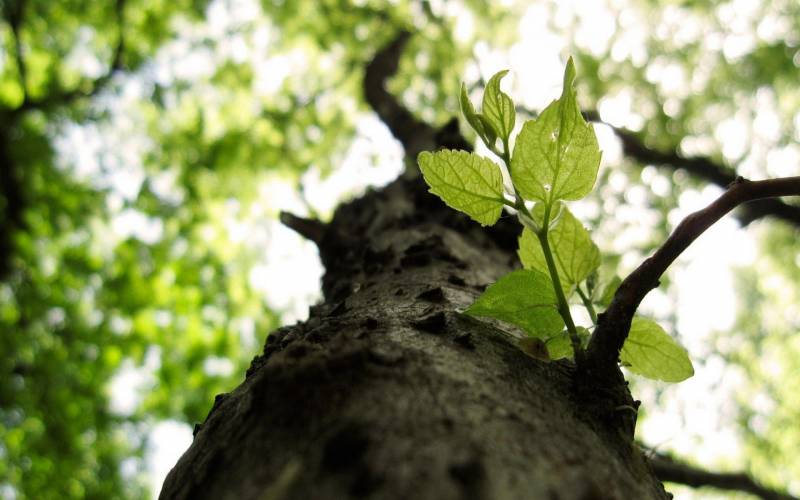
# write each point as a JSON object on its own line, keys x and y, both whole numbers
{"x": 555, "y": 160}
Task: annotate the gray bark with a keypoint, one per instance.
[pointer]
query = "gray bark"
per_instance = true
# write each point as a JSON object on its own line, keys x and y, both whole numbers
{"x": 388, "y": 392}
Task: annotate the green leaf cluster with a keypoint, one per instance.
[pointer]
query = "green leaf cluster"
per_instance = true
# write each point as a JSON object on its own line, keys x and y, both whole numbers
{"x": 498, "y": 116}
{"x": 555, "y": 159}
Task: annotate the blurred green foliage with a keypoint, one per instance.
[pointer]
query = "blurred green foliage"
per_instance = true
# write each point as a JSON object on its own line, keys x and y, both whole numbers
{"x": 170, "y": 115}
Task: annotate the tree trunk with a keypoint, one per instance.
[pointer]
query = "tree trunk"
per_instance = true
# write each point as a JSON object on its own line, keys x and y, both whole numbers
{"x": 388, "y": 392}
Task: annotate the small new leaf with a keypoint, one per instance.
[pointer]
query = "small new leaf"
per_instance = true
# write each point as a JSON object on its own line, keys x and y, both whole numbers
{"x": 491, "y": 135}
{"x": 651, "y": 352}
{"x": 575, "y": 253}
{"x": 466, "y": 182}
{"x": 523, "y": 298}
{"x": 556, "y": 156}
{"x": 469, "y": 113}
{"x": 498, "y": 108}
{"x": 559, "y": 346}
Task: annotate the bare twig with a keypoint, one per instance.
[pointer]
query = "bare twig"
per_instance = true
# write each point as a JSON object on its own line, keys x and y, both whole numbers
{"x": 668, "y": 469}
{"x": 310, "y": 229}
{"x": 613, "y": 325}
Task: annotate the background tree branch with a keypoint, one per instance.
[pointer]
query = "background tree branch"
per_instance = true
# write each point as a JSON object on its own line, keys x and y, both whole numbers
{"x": 703, "y": 168}
{"x": 669, "y": 469}
{"x": 415, "y": 135}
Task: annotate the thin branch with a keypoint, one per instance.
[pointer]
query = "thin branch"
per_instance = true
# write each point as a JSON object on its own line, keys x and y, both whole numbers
{"x": 415, "y": 135}
{"x": 84, "y": 89}
{"x": 613, "y": 325}
{"x": 701, "y": 168}
{"x": 668, "y": 469}
{"x": 310, "y": 229}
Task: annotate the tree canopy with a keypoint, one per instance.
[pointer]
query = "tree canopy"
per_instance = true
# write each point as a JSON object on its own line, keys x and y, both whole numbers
{"x": 147, "y": 146}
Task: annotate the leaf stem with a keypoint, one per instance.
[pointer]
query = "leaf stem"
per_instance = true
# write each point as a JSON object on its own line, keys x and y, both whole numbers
{"x": 588, "y": 304}
{"x": 509, "y": 203}
{"x": 506, "y": 156}
{"x": 563, "y": 305}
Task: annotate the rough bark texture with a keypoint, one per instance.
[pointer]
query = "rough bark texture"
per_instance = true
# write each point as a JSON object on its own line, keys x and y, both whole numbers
{"x": 388, "y": 392}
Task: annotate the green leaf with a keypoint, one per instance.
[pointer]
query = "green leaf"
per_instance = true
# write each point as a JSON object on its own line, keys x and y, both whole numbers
{"x": 574, "y": 252}
{"x": 491, "y": 135}
{"x": 469, "y": 113}
{"x": 556, "y": 156}
{"x": 523, "y": 298}
{"x": 651, "y": 352}
{"x": 560, "y": 346}
{"x": 498, "y": 108}
{"x": 466, "y": 182}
